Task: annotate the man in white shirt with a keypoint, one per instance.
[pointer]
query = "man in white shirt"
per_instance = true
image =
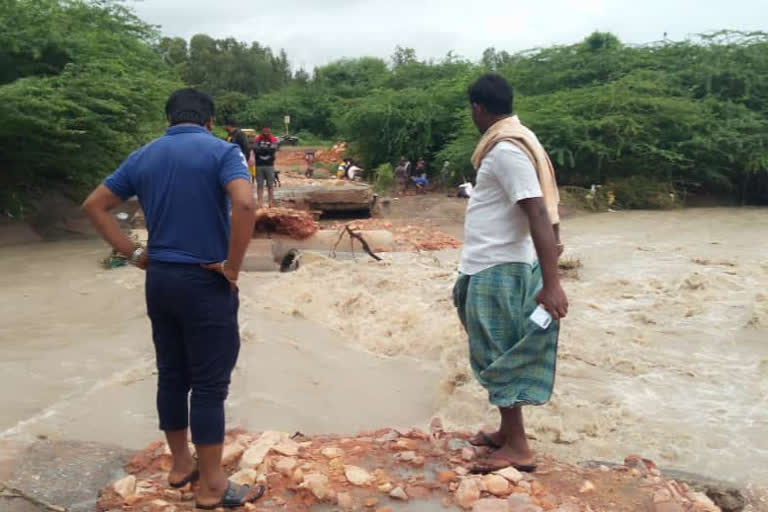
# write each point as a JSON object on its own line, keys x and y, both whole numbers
{"x": 508, "y": 267}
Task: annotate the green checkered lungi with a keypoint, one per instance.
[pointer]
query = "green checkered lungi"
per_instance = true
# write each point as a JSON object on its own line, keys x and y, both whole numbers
{"x": 512, "y": 357}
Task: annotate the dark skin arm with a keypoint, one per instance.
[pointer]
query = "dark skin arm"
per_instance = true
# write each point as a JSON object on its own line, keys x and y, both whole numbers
{"x": 240, "y": 193}
{"x": 551, "y": 296}
{"x": 97, "y": 208}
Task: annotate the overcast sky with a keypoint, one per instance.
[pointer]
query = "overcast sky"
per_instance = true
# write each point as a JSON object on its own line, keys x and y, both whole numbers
{"x": 314, "y": 32}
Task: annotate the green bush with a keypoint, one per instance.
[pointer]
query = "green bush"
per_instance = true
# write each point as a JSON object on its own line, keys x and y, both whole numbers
{"x": 643, "y": 193}
{"x": 384, "y": 177}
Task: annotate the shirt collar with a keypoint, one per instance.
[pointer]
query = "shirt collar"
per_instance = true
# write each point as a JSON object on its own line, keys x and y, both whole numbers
{"x": 175, "y": 130}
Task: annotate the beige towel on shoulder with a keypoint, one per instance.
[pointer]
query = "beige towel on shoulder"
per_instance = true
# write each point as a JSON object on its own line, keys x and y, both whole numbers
{"x": 510, "y": 129}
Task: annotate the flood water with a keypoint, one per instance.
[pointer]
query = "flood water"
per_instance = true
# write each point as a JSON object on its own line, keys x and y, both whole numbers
{"x": 664, "y": 353}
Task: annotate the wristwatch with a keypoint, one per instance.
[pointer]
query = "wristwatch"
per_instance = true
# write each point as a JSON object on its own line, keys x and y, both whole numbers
{"x": 136, "y": 256}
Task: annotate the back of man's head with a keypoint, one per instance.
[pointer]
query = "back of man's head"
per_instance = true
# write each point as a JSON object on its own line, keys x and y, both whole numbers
{"x": 493, "y": 92}
{"x": 189, "y": 106}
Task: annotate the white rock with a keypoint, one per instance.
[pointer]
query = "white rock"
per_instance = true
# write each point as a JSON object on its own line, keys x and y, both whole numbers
{"x": 332, "y": 452}
{"x": 496, "y": 485}
{"x": 245, "y": 476}
{"x": 490, "y": 505}
{"x": 510, "y": 474}
{"x": 586, "y": 487}
{"x": 517, "y": 501}
{"x": 467, "y": 454}
{"x": 125, "y": 487}
{"x": 701, "y": 502}
{"x": 467, "y": 493}
{"x": 288, "y": 447}
{"x": 407, "y": 456}
{"x": 286, "y": 465}
{"x": 317, "y": 483}
{"x": 357, "y": 476}
{"x": 386, "y": 487}
{"x": 398, "y": 493}
{"x": 231, "y": 453}
{"x": 255, "y": 454}
{"x": 345, "y": 501}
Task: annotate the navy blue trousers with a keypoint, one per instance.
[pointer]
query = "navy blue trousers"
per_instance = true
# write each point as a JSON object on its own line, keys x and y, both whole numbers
{"x": 197, "y": 341}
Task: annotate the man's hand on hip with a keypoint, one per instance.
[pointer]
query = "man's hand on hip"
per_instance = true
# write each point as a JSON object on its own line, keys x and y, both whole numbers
{"x": 221, "y": 267}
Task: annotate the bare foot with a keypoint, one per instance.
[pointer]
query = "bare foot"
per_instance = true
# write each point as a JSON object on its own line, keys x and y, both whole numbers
{"x": 517, "y": 457}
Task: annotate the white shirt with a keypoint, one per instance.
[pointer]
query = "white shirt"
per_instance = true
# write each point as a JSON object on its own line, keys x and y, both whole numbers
{"x": 496, "y": 229}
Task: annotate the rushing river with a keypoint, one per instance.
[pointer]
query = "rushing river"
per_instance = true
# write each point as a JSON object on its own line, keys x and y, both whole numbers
{"x": 664, "y": 353}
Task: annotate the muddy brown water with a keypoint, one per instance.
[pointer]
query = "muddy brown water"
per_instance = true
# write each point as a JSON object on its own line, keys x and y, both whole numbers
{"x": 665, "y": 351}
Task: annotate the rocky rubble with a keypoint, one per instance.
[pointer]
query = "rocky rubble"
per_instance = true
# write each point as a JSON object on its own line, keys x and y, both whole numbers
{"x": 409, "y": 237}
{"x": 387, "y": 470}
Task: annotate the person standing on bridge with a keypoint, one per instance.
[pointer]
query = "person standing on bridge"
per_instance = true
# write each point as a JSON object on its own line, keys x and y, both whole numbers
{"x": 187, "y": 181}
{"x": 265, "y": 149}
{"x": 509, "y": 267}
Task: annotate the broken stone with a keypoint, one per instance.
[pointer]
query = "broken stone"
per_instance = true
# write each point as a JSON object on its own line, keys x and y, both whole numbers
{"x": 457, "y": 444}
{"x": 245, "y": 476}
{"x": 384, "y": 509}
{"x": 461, "y": 471}
{"x": 332, "y": 452}
{"x": 536, "y": 488}
{"x": 510, "y": 474}
{"x": 467, "y": 454}
{"x": 286, "y": 465}
{"x": 345, "y": 501}
{"x": 255, "y": 454}
{"x": 398, "y": 493}
{"x": 317, "y": 484}
{"x": 357, "y": 476}
{"x": 436, "y": 425}
{"x": 418, "y": 461}
{"x": 389, "y": 436}
{"x": 172, "y": 494}
{"x": 371, "y": 502}
{"x": 406, "y": 456}
{"x": 125, "y": 487}
{"x": 467, "y": 493}
{"x": 586, "y": 487}
{"x": 490, "y": 505}
{"x": 496, "y": 485}
{"x": 298, "y": 476}
{"x": 287, "y": 447}
{"x": 386, "y": 487}
{"x": 231, "y": 453}
{"x": 445, "y": 477}
{"x": 701, "y": 502}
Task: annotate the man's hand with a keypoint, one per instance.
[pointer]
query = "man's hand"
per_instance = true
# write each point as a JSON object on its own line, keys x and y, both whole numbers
{"x": 554, "y": 301}
{"x": 143, "y": 262}
{"x": 221, "y": 267}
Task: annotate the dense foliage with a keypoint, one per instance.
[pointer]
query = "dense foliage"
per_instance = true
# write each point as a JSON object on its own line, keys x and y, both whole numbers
{"x": 80, "y": 87}
{"x": 82, "y": 83}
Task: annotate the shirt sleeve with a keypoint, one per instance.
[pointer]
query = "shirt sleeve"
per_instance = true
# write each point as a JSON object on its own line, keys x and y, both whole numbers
{"x": 121, "y": 182}
{"x": 233, "y": 166}
{"x": 516, "y": 174}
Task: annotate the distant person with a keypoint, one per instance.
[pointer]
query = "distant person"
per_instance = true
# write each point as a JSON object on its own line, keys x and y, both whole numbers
{"x": 508, "y": 267}
{"x": 309, "y": 157}
{"x": 186, "y": 181}
{"x": 265, "y": 149}
{"x": 421, "y": 167}
{"x": 401, "y": 175}
{"x": 236, "y": 136}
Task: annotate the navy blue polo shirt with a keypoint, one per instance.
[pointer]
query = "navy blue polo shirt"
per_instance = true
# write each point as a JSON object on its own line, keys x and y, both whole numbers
{"x": 180, "y": 180}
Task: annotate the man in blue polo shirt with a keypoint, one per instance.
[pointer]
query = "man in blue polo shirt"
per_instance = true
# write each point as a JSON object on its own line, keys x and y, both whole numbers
{"x": 186, "y": 182}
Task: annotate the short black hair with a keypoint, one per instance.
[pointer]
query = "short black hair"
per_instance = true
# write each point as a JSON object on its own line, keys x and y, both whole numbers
{"x": 493, "y": 92}
{"x": 189, "y": 106}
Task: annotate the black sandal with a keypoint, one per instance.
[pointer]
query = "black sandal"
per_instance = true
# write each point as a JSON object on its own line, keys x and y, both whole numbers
{"x": 236, "y": 496}
{"x": 190, "y": 478}
{"x": 485, "y": 440}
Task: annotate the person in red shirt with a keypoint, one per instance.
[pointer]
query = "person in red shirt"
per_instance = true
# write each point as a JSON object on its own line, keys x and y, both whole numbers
{"x": 265, "y": 149}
